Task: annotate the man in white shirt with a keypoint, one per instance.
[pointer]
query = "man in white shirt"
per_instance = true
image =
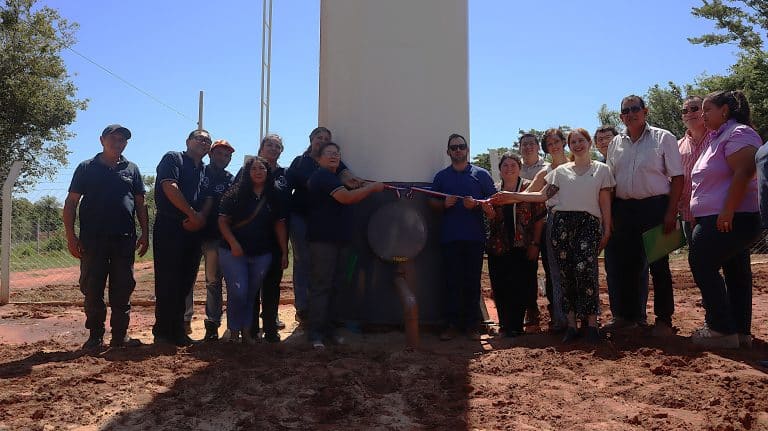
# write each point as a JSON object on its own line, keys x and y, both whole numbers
{"x": 532, "y": 162}
{"x": 646, "y": 163}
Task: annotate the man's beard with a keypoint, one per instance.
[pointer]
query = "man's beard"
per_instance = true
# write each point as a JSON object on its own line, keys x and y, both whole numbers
{"x": 455, "y": 159}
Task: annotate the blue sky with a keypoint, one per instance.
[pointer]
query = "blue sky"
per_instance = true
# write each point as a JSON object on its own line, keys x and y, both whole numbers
{"x": 532, "y": 65}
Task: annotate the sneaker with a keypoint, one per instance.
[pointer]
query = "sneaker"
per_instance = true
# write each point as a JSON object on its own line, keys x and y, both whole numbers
{"x": 618, "y": 325}
{"x": 448, "y": 334}
{"x": 248, "y": 338}
{"x": 93, "y": 342}
{"x": 318, "y": 345}
{"x": 570, "y": 335}
{"x": 706, "y": 337}
{"x": 125, "y": 341}
{"x": 231, "y": 336}
{"x": 211, "y": 331}
{"x": 662, "y": 329}
{"x": 531, "y": 317}
{"x": 745, "y": 341}
{"x": 593, "y": 334}
{"x": 187, "y": 327}
{"x": 338, "y": 340}
{"x": 279, "y": 324}
{"x": 272, "y": 337}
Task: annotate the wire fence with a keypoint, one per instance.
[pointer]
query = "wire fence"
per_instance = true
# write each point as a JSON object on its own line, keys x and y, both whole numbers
{"x": 41, "y": 268}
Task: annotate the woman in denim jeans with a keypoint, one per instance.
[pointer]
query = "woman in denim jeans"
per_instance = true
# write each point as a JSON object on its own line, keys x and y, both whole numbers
{"x": 725, "y": 205}
{"x": 251, "y": 220}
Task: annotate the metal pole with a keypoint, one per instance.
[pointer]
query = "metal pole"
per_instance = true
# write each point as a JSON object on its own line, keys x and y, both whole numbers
{"x": 200, "y": 112}
{"x": 5, "y": 233}
{"x": 266, "y": 65}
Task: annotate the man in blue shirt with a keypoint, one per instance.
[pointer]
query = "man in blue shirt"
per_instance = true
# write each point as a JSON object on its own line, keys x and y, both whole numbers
{"x": 112, "y": 193}
{"x": 216, "y": 181}
{"x": 176, "y": 240}
{"x": 462, "y": 237}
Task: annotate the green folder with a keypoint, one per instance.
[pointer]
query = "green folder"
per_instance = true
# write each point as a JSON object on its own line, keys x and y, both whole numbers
{"x": 658, "y": 245}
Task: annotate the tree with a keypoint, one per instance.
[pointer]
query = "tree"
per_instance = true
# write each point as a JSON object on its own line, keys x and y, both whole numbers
{"x": 483, "y": 160}
{"x": 37, "y": 97}
{"x": 664, "y": 107}
{"x": 745, "y": 22}
{"x": 48, "y": 212}
{"x": 749, "y": 74}
{"x": 742, "y": 20}
{"x": 608, "y": 117}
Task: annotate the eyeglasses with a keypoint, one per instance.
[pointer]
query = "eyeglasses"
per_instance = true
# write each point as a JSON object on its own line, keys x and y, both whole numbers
{"x": 457, "y": 147}
{"x": 200, "y": 138}
{"x": 332, "y": 154}
{"x": 633, "y": 109}
{"x": 691, "y": 109}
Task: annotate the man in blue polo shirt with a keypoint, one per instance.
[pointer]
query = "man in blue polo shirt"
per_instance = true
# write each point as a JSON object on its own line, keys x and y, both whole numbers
{"x": 176, "y": 240}
{"x": 216, "y": 181}
{"x": 112, "y": 193}
{"x": 462, "y": 237}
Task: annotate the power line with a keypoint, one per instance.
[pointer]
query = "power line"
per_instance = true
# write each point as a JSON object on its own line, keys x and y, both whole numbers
{"x": 113, "y": 74}
{"x": 125, "y": 81}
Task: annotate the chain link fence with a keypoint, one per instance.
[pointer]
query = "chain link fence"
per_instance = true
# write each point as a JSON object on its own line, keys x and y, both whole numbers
{"x": 42, "y": 270}
{"x": 41, "y": 267}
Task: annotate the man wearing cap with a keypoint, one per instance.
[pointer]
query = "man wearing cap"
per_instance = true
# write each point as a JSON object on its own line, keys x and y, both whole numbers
{"x": 112, "y": 193}
{"x": 176, "y": 239}
{"x": 215, "y": 182}
{"x": 649, "y": 180}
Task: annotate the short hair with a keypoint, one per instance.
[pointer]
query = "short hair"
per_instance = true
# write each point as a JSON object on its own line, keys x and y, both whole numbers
{"x": 606, "y": 128}
{"x": 527, "y": 135}
{"x": 271, "y": 137}
{"x": 693, "y": 98}
{"x": 553, "y": 131}
{"x": 456, "y": 135}
{"x": 328, "y": 144}
{"x": 633, "y": 97}
{"x": 197, "y": 132}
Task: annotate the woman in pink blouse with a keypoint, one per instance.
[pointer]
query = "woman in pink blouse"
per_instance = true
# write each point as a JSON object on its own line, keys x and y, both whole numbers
{"x": 725, "y": 207}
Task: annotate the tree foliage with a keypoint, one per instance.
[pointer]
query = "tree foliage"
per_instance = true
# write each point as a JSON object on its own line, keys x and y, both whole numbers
{"x": 608, "y": 117}
{"x": 37, "y": 97}
{"x": 744, "y": 22}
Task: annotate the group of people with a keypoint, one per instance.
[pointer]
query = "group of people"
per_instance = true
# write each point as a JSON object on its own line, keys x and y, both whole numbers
{"x": 646, "y": 178}
{"x": 567, "y": 210}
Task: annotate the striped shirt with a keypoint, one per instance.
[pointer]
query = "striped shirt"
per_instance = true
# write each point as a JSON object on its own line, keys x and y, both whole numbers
{"x": 690, "y": 151}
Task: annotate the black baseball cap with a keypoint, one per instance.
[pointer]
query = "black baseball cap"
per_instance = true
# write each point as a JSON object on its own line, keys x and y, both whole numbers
{"x": 112, "y": 128}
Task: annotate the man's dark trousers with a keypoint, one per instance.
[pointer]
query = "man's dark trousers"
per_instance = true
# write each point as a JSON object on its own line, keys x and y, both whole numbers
{"x": 177, "y": 254}
{"x": 632, "y": 217}
{"x": 107, "y": 257}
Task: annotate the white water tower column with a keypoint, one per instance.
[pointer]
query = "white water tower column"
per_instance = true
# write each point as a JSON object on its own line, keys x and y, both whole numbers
{"x": 394, "y": 83}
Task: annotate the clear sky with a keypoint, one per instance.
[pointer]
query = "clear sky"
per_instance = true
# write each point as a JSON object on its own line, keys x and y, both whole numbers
{"x": 532, "y": 65}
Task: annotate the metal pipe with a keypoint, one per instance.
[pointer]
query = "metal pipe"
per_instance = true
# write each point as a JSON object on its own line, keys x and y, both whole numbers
{"x": 410, "y": 308}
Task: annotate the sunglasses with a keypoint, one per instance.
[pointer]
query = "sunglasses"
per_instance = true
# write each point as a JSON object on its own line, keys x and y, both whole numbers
{"x": 457, "y": 147}
{"x": 633, "y": 109}
{"x": 691, "y": 109}
{"x": 202, "y": 139}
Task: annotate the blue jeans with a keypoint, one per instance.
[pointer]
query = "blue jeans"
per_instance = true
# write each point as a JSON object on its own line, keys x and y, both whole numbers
{"x": 727, "y": 302}
{"x": 244, "y": 275}
{"x": 463, "y": 265}
{"x": 301, "y": 262}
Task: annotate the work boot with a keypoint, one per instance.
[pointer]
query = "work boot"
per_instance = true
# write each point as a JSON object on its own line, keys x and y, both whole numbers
{"x": 211, "y": 331}
{"x": 124, "y": 341}
{"x": 94, "y": 341}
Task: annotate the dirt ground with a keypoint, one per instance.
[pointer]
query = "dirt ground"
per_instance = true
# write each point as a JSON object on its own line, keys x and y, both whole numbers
{"x": 631, "y": 382}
